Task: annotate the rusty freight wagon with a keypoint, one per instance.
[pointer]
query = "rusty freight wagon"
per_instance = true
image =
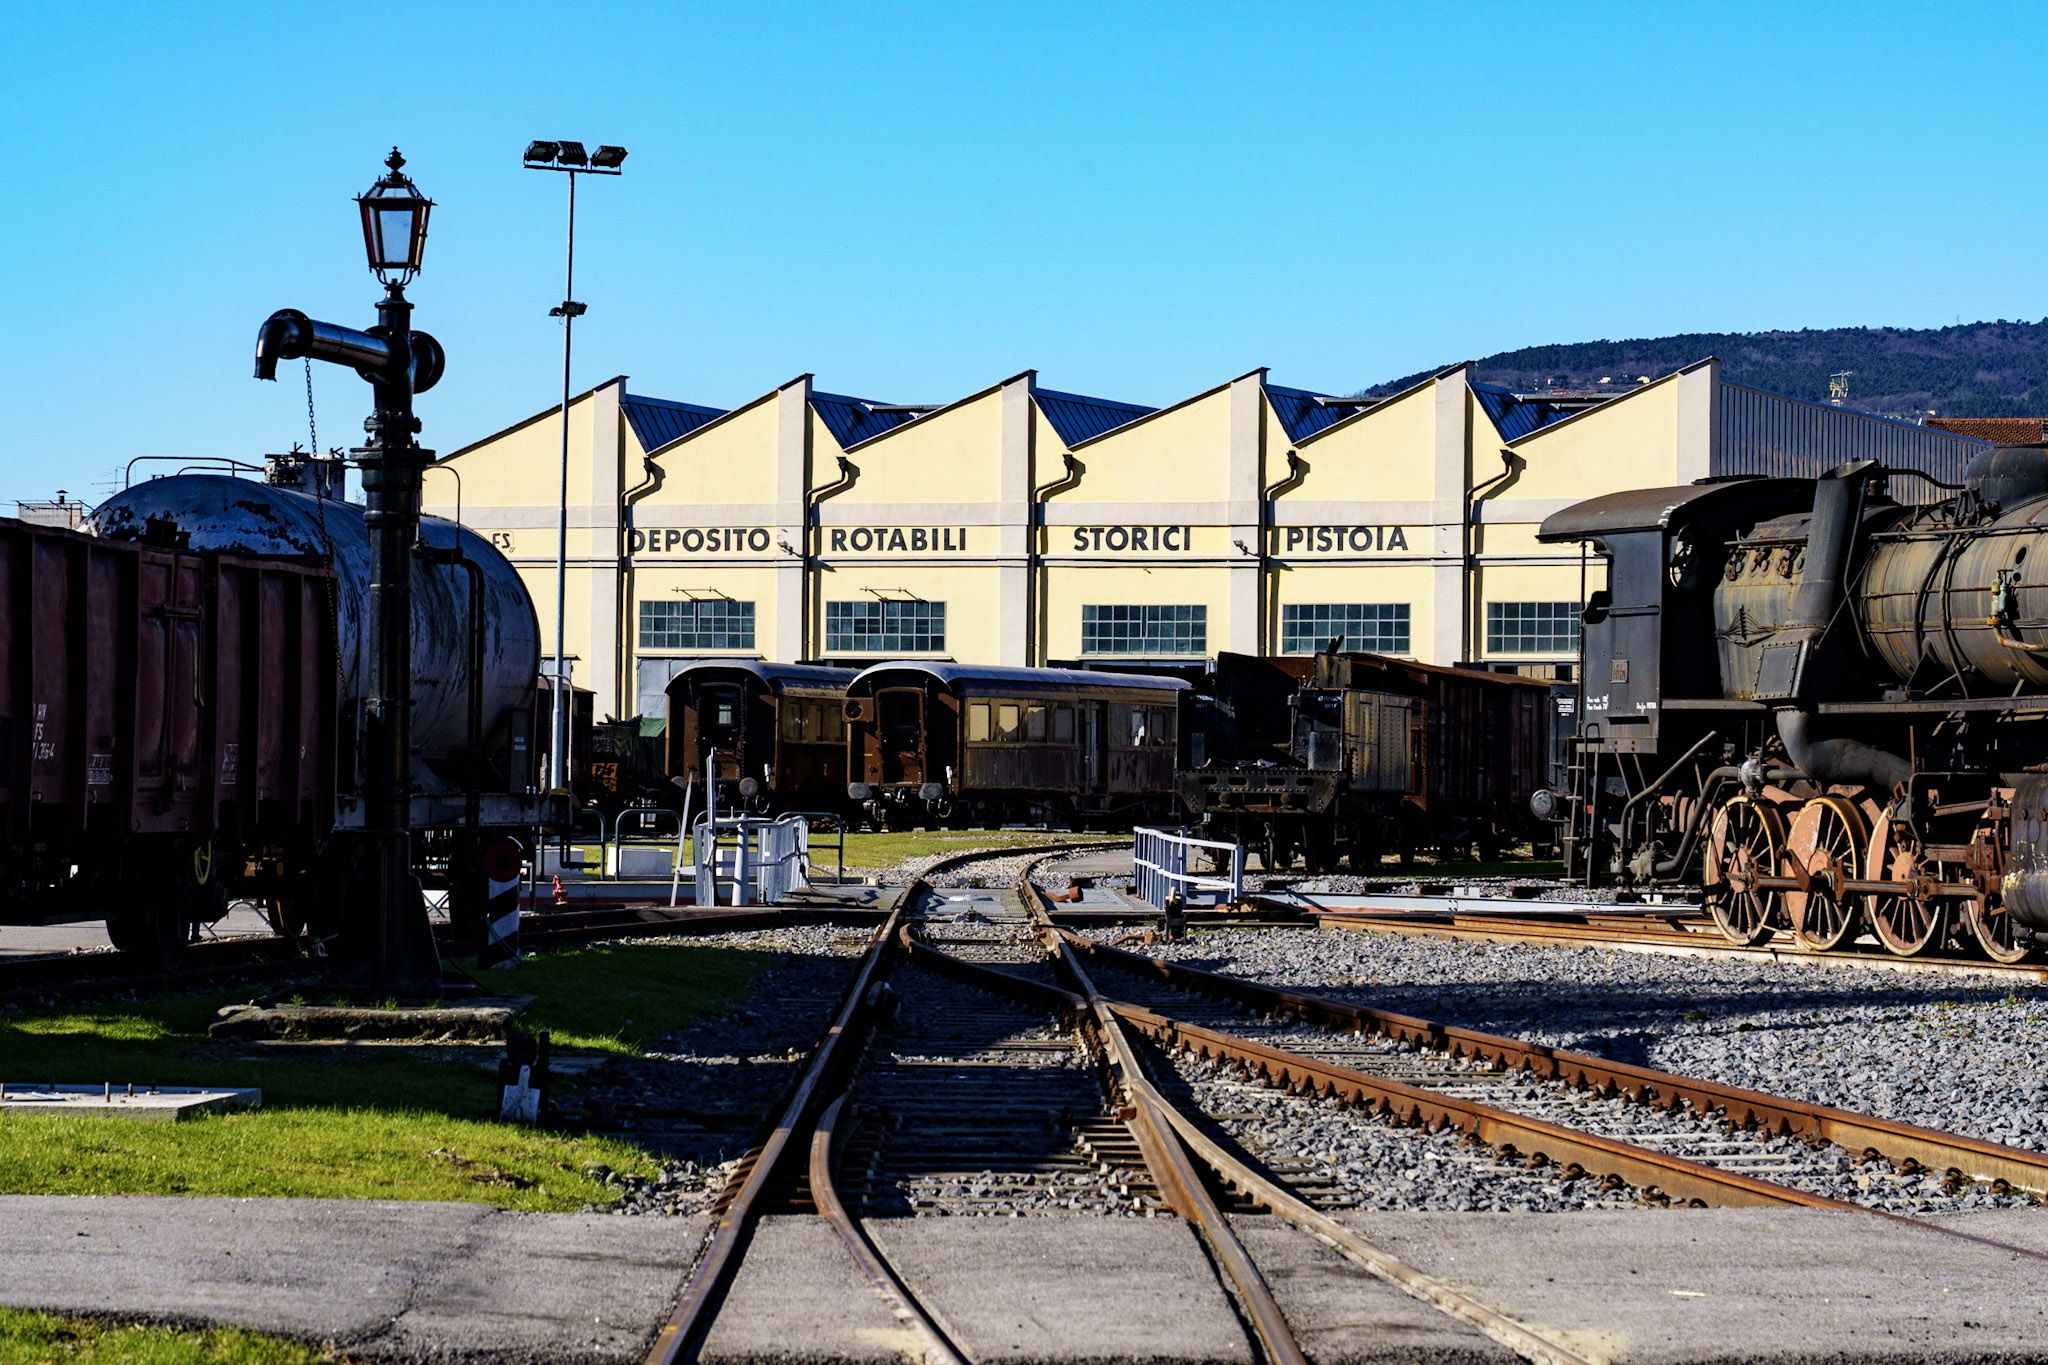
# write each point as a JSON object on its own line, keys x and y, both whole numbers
{"x": 774, "y": 733}
{"x": 166, "y": 717}
{"x": 1371, "y": 755}
{"x": 953, "y": 743}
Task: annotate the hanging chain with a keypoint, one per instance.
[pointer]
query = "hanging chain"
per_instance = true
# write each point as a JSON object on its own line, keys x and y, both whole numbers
{"x": 312, "y": 430}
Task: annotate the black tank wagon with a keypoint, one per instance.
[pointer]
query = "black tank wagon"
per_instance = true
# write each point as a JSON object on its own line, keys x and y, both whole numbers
{"x": 778, "y": 730}
{"x": 959, "y": 744}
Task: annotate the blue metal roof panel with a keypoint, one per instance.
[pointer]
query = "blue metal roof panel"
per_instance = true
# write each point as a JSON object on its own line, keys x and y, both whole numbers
{"x": 1077, "y": 418}
{"x": 849, "y": 419}
{"x": 1301, "y": 414}
{"x": 657, "y": 421}
{"x": 1515, "y": 415}
{"x": 1062, "y": 677}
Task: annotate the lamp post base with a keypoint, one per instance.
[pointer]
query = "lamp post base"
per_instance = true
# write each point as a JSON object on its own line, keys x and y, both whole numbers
{"x": 387, "y": 943}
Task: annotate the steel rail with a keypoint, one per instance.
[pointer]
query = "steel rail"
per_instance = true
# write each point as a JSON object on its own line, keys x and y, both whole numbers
{"x": 682, "y": 1335}
{"x": 1658, "y": 941}
{"x": 824, "y": 1172}
{"x": 1180, "y": 1184}
{"x": 1899, "y": 1143}
{"x": 1543, "y": 1142}
{"x": 1518, "y": 1337}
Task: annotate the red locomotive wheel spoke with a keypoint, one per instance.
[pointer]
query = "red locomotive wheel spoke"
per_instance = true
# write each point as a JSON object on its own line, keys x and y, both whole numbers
{"x": 1905, "y": 925}
{"x": 1826, "y": 840}
{"x": 1745, "y": 843}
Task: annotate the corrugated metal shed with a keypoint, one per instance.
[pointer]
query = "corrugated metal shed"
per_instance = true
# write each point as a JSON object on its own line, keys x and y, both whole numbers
{"x": 849, "y": 419}
{"x": 1301, "y": 414}
{"x": 1516, "y": 415}
{"x": 1779, "y": 437}
{"x": 1076, "y": 417}
{"x": 657, "y": 421}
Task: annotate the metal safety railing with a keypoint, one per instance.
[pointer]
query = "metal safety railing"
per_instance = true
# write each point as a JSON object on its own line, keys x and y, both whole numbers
{"x": 1160, "y": 859}
{"x": 750, "y": 859}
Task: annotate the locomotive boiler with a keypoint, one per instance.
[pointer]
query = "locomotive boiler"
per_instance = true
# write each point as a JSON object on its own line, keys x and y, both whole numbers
{"x": 1827, "y": 706}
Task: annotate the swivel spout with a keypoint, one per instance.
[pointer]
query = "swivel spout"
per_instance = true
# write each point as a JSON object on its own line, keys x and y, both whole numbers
{"x": 289, "y": 334}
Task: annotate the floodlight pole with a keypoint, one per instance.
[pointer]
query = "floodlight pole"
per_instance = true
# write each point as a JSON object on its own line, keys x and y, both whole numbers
{"x": 570, "y": 158}
{"x": 558, "y": 741}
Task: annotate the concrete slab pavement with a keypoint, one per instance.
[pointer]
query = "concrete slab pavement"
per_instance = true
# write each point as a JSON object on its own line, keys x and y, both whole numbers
{"x": 383, "y": 1280}
{"x": 1779, "y": 1285}
{"x": 1083, "y": 1289}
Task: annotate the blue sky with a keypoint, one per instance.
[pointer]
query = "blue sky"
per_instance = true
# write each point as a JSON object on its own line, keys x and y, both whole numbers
{"x": 912, "y": 201}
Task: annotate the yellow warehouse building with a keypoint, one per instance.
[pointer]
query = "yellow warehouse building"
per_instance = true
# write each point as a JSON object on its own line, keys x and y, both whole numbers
{"x": 1027, "y": 526}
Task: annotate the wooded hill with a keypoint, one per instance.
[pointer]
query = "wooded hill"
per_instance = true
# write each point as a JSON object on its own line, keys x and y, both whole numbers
{"x": 1977, "y": 369}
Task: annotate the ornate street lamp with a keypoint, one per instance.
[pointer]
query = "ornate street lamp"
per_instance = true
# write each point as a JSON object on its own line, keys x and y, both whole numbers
{"x": 395, "y": 224}
{"x": 569, "y": 157}
{"x": 394, "y": 951}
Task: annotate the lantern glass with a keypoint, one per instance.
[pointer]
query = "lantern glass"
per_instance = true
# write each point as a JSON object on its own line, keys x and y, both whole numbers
{"x": 394, "y": 225}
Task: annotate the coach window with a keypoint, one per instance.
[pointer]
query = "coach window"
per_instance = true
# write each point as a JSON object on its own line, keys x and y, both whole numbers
{"x": 1138, "y": 714}
{"x": 1009, "y": 722}
{"x": 835, "y": 722}
{"x": 977, "y": 722}
{"x": 1034, "y": 724}
{"x": 1063, "y": 725}
{"x": 793, "y": 721}
{"x": 1162, "y": 728}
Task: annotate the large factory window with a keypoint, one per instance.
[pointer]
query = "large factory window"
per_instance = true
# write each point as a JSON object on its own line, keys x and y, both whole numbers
{"x": 885, "y": 627}
{"x": 715, "y": 623}
{"x": 1532, "y": 627}
{"x": 1144, "y": 630}
{"x": 1375, "y": 627}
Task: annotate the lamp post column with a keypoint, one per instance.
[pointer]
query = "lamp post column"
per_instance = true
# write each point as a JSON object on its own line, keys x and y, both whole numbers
{"x": 403, "y": 958}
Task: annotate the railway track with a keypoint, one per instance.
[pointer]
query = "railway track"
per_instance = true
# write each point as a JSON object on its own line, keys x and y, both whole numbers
{"x": 1683, "y": 931}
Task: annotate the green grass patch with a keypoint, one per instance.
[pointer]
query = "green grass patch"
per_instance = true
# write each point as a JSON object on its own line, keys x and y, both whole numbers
{"x": 30, "y": 1338}
{"x": 340, "y": 1121}
{"x": 887, "y": 850}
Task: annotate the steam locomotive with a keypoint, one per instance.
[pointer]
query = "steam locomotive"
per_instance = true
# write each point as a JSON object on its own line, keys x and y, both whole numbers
{"x": 1828, "y": 706}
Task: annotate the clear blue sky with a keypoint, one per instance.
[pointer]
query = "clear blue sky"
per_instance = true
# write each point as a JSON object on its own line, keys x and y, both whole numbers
{"x": 914, "y": 201}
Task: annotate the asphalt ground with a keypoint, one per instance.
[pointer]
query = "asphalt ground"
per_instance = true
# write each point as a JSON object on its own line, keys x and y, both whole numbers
{"x": 30, "y": 940}
{"x": 458, "y": 1282}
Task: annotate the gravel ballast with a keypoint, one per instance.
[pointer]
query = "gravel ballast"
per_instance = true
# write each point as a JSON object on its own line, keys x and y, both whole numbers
{"x": 1959, "y": 1053}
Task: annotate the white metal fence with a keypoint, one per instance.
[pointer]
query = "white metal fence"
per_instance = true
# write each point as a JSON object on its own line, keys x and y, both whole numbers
{"x": 751, "y": 860}
{"x": 1161, "y": 861}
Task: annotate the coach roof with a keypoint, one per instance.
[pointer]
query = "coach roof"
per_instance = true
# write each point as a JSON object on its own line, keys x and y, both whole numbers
{"x": 951, "y": 674}
{"x": 777, "y": 676}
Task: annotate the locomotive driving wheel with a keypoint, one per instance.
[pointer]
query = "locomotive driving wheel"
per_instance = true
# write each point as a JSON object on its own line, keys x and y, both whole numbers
{"x": 2001, "y": 938}
{"x": 1747, "y": 836}
{"x": 1827, "y": 841}
{"x": 1906, "y": 925}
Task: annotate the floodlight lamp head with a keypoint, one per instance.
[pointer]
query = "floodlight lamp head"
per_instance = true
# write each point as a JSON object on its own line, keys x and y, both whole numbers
{"x": 571, "y": 154}
{"x": 540, "y": 153}
{"x": 608, "y": 157}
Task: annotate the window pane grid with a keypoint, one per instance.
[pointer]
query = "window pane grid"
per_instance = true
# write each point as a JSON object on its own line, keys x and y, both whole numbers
{"x": 1144, "y": 630}
{"x": 1374, "y": 627}
{"x": 1532, "y": 627}
{"x": 713, "y": 624}
{"x": 885, "y": 627}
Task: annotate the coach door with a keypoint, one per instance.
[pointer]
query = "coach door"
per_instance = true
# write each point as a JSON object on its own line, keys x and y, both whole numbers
{"x": 1094, "y": 745}
{"x": 899, "y": 725}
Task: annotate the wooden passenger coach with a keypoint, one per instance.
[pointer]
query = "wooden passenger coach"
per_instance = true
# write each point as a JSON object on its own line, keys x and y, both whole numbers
{"x": 777, "y": 731}
{"x": 954, "y": 743}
